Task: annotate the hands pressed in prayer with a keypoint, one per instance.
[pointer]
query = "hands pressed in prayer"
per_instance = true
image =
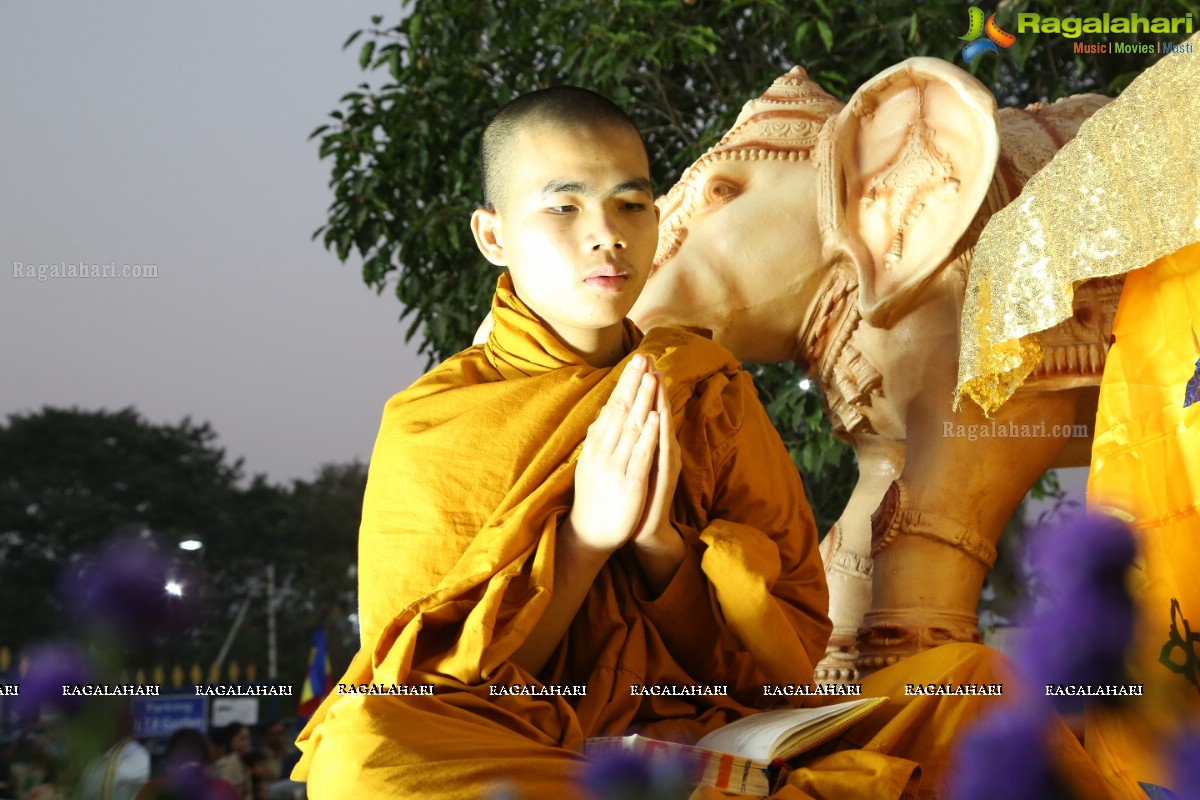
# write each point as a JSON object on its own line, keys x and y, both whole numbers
{"x": 657, "y": 544}
{"x": 626, "y": 474}
{"x": 655, "y": 530}
{"x": 625, "y": 482}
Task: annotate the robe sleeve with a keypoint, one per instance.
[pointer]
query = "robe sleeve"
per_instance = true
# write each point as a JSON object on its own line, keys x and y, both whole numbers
{"x": 753, "y": 583}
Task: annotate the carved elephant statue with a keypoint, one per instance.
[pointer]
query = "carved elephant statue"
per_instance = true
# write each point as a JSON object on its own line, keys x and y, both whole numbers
{"x": 840, "y": 237}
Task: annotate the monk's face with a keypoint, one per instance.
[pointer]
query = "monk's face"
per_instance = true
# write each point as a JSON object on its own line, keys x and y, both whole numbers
{"x": 577, "y": 226}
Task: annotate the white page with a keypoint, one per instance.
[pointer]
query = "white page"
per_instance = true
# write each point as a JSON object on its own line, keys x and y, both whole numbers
{"x": 758, "y": 735}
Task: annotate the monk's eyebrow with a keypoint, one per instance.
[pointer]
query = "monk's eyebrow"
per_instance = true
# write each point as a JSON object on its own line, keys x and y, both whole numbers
{"x": 560, "y": 186}
{"x": 635, "y": 185}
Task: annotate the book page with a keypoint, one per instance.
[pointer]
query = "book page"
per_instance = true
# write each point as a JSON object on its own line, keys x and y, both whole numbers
{"x": 758, "y": 735}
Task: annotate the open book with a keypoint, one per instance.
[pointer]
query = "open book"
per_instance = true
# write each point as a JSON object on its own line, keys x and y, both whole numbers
{"x": 739, "y": 756}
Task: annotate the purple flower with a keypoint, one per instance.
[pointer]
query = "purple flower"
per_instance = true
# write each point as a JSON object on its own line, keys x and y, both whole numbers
{"x": 1080, "y": 638}
{"x": 1186, "y": 761}
{"x": 630, "y": 776}
{"x": 1083, "y": 635}
{"x": 192, "y": 783}
{"x": 1083, "y": 551}
{"x": 1005, "y": 756}
{"x": 52, "y": 666}
{"x": 128, "y": 588}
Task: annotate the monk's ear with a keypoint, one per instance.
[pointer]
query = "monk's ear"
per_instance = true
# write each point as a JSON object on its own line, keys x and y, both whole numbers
{"x": 489, "y": 236}
{"x": 914, "y": 152}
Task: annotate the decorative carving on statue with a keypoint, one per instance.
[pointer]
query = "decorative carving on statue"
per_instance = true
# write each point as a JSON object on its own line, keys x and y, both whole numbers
{"x": 828, "y": 352}
{"x": 841, "y": 238}
{"x": 896, "y": 633}
{"x": 1076, "y": 348}
{"x": 919, "y": 170}
{"x": 894, "y": 519}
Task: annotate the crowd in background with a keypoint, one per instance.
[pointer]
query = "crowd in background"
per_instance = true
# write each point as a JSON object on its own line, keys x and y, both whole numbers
{"x": 232, "y": 762}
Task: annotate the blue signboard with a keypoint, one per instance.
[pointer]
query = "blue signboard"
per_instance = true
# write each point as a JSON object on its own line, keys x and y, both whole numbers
{"x": 162, "y": 716}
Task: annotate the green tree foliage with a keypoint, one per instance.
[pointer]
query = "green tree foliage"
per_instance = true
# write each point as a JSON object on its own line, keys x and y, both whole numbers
{"x": 402, "y": 152}
{"x": 315, "y": 551}
{"x": 73, "y": 481}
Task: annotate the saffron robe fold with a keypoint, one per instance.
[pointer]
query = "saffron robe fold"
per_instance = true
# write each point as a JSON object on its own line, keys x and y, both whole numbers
{"x": 471, "y": 474}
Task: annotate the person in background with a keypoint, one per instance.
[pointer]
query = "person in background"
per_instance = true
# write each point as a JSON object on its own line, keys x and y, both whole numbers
{"x": 275, "y": 750}
{"x": 256, "y": 762}
{"x": 232, "y": 743}
{"x": 122, "y": 770}
{"x": 15, "y": 759}
{"x": 185, "y": 775}
{"x": 34, "y": 768}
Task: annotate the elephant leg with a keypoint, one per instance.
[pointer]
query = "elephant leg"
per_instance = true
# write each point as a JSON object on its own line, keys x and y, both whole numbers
{"x": 846, "y": 551}
{"x": 934, "y": 534}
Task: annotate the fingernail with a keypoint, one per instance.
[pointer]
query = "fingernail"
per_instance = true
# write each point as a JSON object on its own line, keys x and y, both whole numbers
{"x": 636, "y": 361}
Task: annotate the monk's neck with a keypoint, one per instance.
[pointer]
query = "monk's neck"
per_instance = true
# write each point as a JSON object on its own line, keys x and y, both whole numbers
{"x": 600, "y": 348}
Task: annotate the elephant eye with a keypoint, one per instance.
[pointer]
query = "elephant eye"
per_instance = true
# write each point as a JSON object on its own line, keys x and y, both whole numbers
{"x": 720, "y": 190}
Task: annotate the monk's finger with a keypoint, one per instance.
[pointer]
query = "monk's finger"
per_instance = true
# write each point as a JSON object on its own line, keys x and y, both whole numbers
{"x": 666, "y": 427}
{"x": 637, "y": 470}
{"x": 622, "y": 397}
{"x": 627, "y": 384}
{"x": 634, "y": 423}
{"x": 605, "y": 431}
{"x": 668, "y": 434}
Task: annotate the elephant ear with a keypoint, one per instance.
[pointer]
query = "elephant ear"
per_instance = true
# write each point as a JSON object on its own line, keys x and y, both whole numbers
{"x": 911, "y": 157}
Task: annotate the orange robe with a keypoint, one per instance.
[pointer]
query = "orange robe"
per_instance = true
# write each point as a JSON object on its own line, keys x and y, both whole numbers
{"x": 472, "y": 471}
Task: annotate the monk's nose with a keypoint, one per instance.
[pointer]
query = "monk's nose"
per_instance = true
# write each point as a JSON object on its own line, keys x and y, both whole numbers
{"x": 607, "y": 234}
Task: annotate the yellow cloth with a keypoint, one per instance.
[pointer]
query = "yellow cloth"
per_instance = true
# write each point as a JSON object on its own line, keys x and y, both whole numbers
{"x": 1120, "y": 194}
{"x": 1146, "y": 464}
{"x": 472, "y": 470}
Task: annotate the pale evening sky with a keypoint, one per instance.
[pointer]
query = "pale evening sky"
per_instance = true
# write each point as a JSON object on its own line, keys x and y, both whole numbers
{"x": 174, "y": 134}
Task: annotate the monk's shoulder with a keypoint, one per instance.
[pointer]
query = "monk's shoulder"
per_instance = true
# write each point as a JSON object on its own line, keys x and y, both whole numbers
{"x": 465, "y": 368}
{"x": 703, "y": 376}
{"x": 686, "y": 343}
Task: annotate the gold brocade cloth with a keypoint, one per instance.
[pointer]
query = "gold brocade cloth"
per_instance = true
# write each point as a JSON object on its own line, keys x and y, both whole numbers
{"x": 1124, "y": 192}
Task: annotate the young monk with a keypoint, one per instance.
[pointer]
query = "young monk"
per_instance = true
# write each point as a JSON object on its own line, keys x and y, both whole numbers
{"x": 575, "y": 507}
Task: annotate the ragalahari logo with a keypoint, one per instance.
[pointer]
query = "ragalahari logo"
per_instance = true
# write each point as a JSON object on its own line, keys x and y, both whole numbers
{"x": 995, "y": 36}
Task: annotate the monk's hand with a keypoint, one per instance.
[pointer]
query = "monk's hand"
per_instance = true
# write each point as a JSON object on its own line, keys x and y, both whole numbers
{"x": 613, "y": 473}
{"x": 655, "y": 530}
{"x": 657, "y": 544}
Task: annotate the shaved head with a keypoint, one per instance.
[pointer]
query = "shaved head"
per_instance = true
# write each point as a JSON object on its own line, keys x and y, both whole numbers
{"x": 560, "y": 107}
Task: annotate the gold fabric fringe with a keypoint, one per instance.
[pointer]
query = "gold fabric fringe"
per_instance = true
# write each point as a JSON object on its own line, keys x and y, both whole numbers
{"x": 1124, "y": 192}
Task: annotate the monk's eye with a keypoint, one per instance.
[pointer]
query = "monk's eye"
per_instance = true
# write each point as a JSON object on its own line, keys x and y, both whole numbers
{"x": 719, "y": 191}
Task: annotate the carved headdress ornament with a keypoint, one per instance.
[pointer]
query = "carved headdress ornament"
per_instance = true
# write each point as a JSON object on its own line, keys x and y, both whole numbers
{"x": 783, "y": 123}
